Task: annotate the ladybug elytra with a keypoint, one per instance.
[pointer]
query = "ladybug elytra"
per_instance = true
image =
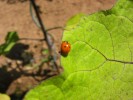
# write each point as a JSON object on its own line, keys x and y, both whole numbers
{"x": 65, "y": 48}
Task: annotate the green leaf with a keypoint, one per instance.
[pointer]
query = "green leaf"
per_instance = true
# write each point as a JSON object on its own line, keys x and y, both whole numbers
{"x": 123, "y": 8}
{"x": 100, "y": 63}
{"x": 10, "y": 41}
{"x": 45, "y": 90}
{"x": 73, "y": 21}
{"x": 4, "y": 97}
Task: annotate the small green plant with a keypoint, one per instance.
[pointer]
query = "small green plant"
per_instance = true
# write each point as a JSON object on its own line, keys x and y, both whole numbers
{"x": 10, "y": 41}
{"x": 100, "y": 63}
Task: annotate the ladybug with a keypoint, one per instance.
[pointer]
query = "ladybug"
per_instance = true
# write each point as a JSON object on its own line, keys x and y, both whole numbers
{"x": 65, "y": 48}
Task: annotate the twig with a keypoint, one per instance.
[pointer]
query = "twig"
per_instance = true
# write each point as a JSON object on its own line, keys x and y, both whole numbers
{"x": 58, "y": 27}
{"x": 38, "y": 25}
{"x": 46, "y": 37}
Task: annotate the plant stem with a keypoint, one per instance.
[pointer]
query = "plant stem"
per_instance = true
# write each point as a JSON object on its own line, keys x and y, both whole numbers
{"x": 46, "y": 38}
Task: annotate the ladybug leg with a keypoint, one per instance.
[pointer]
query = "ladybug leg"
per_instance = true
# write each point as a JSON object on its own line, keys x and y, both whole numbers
{"x": 59, "y": 52}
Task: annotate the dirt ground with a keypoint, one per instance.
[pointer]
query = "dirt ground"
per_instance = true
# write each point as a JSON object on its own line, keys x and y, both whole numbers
{"x": 15, "y": 16}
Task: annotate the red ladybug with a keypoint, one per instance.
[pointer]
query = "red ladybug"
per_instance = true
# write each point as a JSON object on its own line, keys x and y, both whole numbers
{"x": 65, "y": 48}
